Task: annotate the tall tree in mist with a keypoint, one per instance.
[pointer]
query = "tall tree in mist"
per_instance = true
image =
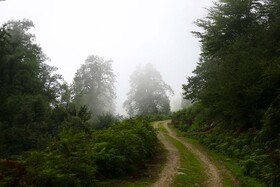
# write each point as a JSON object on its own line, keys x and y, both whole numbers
{"x": 148, "y": 93}
{"x": 94, "y": 85}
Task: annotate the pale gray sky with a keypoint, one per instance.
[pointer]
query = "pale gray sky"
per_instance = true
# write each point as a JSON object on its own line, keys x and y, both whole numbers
{"x": 130, "y": 32}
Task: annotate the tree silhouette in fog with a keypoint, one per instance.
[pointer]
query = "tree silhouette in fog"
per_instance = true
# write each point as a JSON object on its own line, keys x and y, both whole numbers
{"x": 148, "y": 93}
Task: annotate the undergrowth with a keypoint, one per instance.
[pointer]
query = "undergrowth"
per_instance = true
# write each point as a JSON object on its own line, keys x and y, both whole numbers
{"x": 255, "y": 154}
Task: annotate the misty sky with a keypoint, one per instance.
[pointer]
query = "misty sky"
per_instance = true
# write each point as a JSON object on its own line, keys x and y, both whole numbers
{"x": 130, "y": 32}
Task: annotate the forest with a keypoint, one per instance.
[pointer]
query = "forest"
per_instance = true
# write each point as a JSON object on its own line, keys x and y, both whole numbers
{"x": 55, "y": 133}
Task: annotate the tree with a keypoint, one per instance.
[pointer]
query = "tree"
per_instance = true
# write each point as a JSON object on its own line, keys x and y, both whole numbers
{"x": 237, "y": 81}
{"x": 55, "y": 87}
{"x": 23, "y": 64}
{"x": 93, "y": 85}
{"x": 27, "y": 90}
{"x": 148, "y": 93}
{"x": 238, "y": 71}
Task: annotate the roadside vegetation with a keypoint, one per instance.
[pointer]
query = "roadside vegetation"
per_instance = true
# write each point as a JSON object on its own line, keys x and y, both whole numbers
{"x": 53, "y": 133}
{"x": 243, "y": 153}
{"x": 145, "y": 176}
{"x": 235, "y": 88}
{"x": 85, "y": 157}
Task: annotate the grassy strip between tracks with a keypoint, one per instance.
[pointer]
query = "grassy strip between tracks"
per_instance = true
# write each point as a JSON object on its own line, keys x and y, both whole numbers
{"x": 191, "y": 172}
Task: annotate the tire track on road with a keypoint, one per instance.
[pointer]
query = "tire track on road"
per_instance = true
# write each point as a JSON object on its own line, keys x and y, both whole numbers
{"x": 173, "y": 162}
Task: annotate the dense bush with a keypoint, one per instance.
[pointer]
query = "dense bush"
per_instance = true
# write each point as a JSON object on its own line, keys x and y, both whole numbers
{"x": 132, "y": 142}
{"x": 79, "y": 157}
{"x": 69, "y": 161}
{"x": 190, "y": 118}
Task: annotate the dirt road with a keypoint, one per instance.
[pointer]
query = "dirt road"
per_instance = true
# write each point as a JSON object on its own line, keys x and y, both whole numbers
{"x": 173, "y": 162}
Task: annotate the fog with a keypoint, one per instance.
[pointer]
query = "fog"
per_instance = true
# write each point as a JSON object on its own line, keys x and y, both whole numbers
{"x": 130, "y": 32}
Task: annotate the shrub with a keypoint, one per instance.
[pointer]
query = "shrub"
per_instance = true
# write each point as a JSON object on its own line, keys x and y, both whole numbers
{"x": 69, "y": 161}
{"x": 79, "y": 157}
{"x": 134, "y": 142}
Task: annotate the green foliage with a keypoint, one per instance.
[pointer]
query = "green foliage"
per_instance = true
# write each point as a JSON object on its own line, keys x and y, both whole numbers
{"x": 28, "y": 89}
{"x": 79, "y": 157}
{"x": 190, "y": 118}
{"x": 237, "y": 77}
{"x": 69, "y": 161}
{"x": 25, "y": 125}
{"x": 133, "y": 143}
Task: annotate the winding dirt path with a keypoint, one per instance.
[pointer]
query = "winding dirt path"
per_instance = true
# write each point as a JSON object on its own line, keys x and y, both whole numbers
{"x": 212, "y": 172}
{"x": 173, "y": 162}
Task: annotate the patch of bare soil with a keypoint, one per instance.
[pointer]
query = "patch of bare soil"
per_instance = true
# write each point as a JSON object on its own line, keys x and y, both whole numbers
{"x": 172, "y": 163}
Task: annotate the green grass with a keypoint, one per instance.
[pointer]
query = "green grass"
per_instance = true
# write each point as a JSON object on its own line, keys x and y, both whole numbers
{"x": 237, "y": 170}
{"x": 161, "y": 128}
{"x": 191, "y": 170}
